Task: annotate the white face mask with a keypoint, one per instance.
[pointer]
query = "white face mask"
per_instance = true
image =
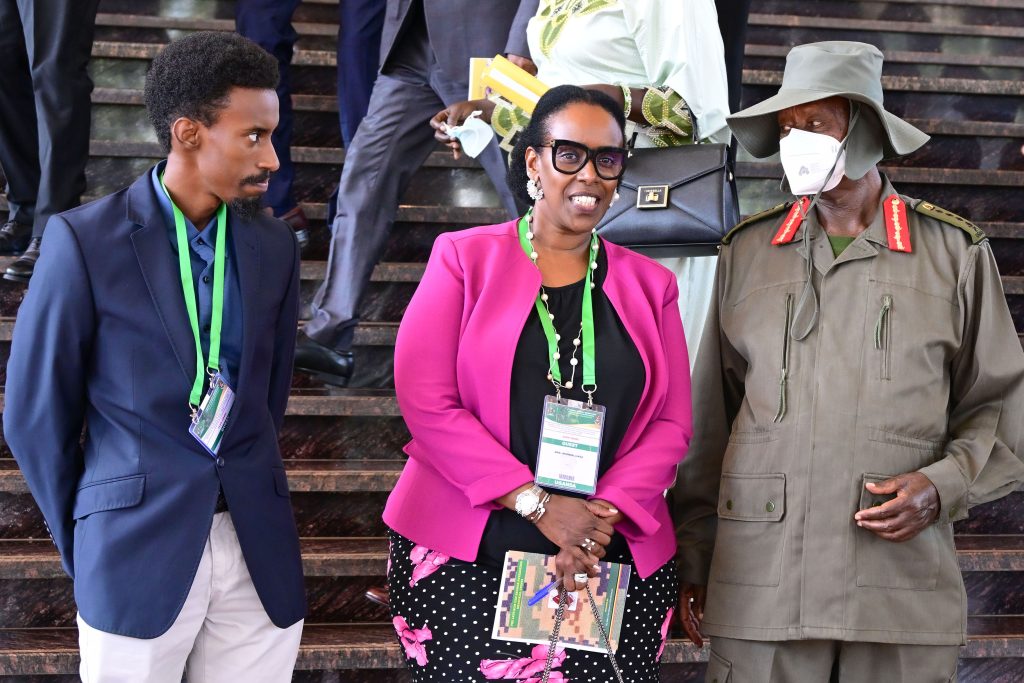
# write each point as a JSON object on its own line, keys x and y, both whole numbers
{"x": 808, "y": 157}
{"x": 474, "y": 135}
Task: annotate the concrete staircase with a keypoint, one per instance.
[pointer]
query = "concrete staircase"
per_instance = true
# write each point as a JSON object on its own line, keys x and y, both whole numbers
{"x": 954, "y": 68}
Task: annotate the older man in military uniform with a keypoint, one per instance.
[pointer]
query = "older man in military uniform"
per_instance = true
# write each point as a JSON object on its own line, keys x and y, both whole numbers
{"x": 864, "y": 390}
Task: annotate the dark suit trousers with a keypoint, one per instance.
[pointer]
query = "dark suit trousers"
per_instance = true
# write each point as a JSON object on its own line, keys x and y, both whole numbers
{"x": 268, "y": 23}
{"x": 391, "y": 143}
{"x": 359, "y": 26}
{"x": 45, "y": 107}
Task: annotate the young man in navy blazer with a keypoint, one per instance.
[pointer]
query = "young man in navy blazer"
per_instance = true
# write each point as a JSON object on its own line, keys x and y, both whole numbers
{"x": 185, "y": 556}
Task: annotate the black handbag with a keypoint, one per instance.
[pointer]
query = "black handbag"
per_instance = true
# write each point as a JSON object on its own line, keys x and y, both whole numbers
{"x": 674, "y": 201}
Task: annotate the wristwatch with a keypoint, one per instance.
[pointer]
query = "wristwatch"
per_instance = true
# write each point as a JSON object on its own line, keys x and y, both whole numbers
{"x": 530, "y": 503}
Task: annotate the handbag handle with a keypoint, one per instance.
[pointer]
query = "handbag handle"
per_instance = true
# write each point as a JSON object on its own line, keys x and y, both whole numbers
{"x": 553, "y": 640}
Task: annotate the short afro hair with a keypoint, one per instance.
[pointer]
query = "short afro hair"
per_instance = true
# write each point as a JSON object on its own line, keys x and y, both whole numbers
{"x": 192, "y": 77}
{"x": 535, "y": 134}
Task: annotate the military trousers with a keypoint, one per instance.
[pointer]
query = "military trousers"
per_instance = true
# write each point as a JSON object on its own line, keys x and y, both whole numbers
{"x": 829, "y": 661}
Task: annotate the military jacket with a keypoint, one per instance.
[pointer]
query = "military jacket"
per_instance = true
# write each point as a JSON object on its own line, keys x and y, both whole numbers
{"x": 913, "y": 364}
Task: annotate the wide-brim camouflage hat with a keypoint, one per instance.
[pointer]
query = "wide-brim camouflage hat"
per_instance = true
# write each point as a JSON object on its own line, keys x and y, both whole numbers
{"x": 814, "y": 72}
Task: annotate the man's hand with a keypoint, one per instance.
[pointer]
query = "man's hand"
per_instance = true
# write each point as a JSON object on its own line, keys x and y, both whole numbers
{"x": 456, "y": 115}
{"x": 691, "y": 610}
{"x": 915, "y": 506}
{"x": 524, "y": 63}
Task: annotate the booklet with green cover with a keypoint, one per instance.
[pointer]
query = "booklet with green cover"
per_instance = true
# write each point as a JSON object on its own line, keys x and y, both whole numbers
{"x": 524, "y": 574}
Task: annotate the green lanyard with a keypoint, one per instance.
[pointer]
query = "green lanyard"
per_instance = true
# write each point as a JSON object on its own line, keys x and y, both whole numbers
{"x": 587, "y": 341}
{"x": 189, "y": 290}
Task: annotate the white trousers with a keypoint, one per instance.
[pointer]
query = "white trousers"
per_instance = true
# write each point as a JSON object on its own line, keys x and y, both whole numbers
{"x": 695, "y": 276}
{"x": 222, "y": 634}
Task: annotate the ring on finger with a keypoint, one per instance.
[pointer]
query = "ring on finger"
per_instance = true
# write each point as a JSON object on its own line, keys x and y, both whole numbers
{"x": 587, "y": 544}
{"x": 580, "y": 578}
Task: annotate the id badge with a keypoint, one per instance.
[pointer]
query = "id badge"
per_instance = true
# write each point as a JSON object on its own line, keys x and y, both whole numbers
{"x": 570, "y": 445}
{"x": 210, "y": 422}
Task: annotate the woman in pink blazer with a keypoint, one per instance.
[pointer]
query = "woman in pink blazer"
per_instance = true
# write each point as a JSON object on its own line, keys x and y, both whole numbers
{"x": 473, "y": 365}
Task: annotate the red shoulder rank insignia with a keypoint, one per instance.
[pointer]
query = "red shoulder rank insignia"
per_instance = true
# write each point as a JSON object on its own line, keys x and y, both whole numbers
{"x": 896, "y": 225}
{"x": 793, "y": 220}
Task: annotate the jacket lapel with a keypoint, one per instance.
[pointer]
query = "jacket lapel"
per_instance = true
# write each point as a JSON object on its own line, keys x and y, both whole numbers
{"x": 160, "y": 271}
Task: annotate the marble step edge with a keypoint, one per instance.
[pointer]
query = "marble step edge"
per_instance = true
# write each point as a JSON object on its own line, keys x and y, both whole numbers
{"x": 411, "y": 273}
{"x": 973, "y": 86}
{"x": 781, "y": 21}
{"x": 327, "y": 556}
{"x": 367, "y": 334}
{"x": 336, "y": 403}
{"x": 374, "y": 646}
{"x": 908, "y": 57}
{"x": 304, "y": 476}
{"x": 361, "y": 556}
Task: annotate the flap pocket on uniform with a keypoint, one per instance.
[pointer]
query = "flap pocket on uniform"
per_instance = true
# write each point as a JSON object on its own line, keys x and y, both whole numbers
{"x": 280, "y": 482}
{"x": 910, "y": 565}
{"x": 111, "y": 494}
{"x": 719, "y": 670}
{"x": 752, "y": 497}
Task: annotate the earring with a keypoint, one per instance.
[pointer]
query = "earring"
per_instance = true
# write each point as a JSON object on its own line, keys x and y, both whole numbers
{"x": 534, "y": 189}
{"x": 615, "y": 198}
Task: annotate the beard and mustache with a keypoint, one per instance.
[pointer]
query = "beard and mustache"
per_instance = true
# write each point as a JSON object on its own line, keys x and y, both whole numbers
{"x": 248, "y": 208}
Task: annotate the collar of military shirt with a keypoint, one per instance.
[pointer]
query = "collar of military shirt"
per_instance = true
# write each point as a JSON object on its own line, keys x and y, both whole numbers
{"x": 894, "y": 214}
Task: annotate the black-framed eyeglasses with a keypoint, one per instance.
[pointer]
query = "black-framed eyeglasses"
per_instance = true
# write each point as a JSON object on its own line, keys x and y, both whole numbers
{"x": 570, "y": 157}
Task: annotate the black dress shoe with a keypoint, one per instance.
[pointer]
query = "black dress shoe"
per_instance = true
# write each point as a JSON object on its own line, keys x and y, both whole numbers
{"x": 21, "y": 270}
{"x": 296, "y": 218}
{"x": 14, "y": 237}
{"x": 380, "y": 595}
{"x": 322, "y": 362}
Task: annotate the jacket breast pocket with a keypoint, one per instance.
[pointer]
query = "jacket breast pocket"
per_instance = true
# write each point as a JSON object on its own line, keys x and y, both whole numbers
{"x": 109, "y": 494}
{"x": 751, "y": 532}
{"x": 910, "y": 565}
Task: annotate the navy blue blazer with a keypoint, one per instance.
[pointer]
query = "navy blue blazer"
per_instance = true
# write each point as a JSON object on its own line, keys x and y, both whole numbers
{"x": 102, "y": 343}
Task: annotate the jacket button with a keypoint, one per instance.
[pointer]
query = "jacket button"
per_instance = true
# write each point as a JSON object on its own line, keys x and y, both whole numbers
{"x": 728, "y": 505}
{"x": 220, "y": 462}
{"x": 770, "y": 506}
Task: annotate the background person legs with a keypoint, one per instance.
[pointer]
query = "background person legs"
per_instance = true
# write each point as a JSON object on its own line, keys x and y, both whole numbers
{"x": 359, "y": 27}
{"x": 58, "y": 42}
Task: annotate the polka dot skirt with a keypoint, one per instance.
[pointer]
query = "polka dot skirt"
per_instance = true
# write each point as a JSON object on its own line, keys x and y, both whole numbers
{"x": 443, "y": 611}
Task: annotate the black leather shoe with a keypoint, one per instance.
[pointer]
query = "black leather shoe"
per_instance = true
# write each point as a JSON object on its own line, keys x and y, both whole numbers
{"x": 322, "y": 362}
{"x": 14, "y": 237}
{"x": 21, "y": 270}
{"x": 380, "y": 595}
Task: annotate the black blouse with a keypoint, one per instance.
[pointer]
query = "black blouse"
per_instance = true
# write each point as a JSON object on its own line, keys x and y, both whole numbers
{"x": 620, "y": 382}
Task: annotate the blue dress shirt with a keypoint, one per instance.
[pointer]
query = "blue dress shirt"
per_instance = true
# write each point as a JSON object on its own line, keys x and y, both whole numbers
{"x": 201, "y": 243}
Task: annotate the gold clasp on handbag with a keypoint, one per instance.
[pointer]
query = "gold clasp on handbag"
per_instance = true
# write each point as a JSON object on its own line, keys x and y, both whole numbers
{"x": 652, "y": 197}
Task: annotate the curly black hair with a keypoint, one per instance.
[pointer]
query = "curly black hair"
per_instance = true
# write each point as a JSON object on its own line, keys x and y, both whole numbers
{"x": 192, "y": 77}
{"x": 536, "y": 133}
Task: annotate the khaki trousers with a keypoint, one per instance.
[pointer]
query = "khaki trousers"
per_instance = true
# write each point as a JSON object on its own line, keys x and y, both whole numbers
{"x": 221, "y": 635}
{"x": 829, "y": 661}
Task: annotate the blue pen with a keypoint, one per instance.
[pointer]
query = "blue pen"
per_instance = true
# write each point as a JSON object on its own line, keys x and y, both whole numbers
{"x": 542, "y": 592}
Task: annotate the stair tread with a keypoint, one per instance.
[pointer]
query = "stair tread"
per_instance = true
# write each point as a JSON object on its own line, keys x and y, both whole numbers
{"x": 303, "y": 475}
{"x": 351, "y": 646}
{"x": 305, "y": 29}
{"x": 367, "y": 556}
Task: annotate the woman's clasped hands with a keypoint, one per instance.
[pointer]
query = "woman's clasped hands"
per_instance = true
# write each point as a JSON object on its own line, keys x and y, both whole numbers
{"x": 582, "y": 530}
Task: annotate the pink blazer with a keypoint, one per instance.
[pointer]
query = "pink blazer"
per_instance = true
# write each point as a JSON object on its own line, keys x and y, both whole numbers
{"x": 453, "y": 373}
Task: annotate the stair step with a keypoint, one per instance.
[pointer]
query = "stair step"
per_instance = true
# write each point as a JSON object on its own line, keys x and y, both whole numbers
{"x": 54, "y": 651}
{"x": 38, "y": 559}
{"x": 789, "y": 21}
{"x": 908, "y": 57}
{"x": 304, "y": 476}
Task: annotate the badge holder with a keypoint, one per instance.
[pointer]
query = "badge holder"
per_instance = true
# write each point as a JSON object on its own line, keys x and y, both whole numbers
{"x": 569, "y": 450}
{"x": 210, "y": 421}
